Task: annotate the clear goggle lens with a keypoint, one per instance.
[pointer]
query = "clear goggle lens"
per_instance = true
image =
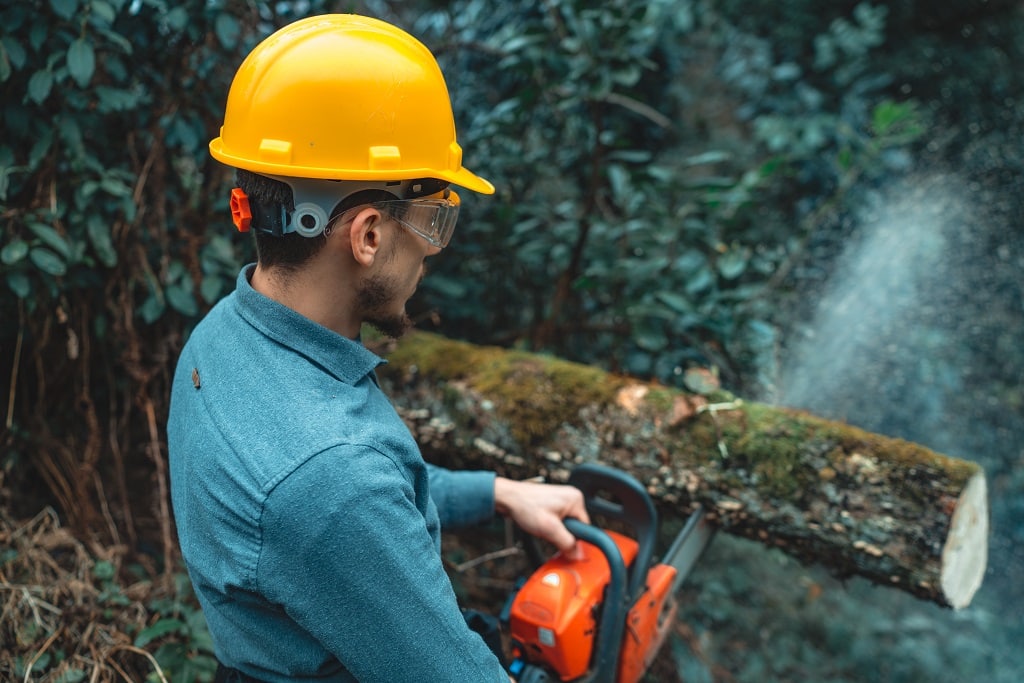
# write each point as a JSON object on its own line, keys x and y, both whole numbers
{"x": 431, "y": 218}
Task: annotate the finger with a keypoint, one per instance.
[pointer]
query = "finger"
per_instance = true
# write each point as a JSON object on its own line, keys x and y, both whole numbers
{"x": 563, "y": 539}
{"x": 579, "y": 507}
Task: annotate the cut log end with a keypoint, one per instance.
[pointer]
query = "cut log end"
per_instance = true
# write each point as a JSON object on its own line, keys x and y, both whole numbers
{"x": 965, "y": 553}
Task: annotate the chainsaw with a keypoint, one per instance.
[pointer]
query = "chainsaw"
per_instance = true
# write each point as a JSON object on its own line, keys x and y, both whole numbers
{"x": 603, "y": 617}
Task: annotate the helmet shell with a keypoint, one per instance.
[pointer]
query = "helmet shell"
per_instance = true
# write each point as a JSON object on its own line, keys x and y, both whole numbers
{"x": 342, "y": 97}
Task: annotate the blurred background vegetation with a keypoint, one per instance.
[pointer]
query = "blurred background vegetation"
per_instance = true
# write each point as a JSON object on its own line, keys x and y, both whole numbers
{"x": 680, "y": 183}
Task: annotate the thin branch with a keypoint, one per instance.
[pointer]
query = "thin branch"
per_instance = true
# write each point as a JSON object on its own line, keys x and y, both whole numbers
{"x": 37, "y": 655}
{"x": 162, "y": 490}
{"x": 638, "y": 107}
{"x": 138, "y": 651}
{"x": 12, "y": 391}
{"x": 496, "y": 555}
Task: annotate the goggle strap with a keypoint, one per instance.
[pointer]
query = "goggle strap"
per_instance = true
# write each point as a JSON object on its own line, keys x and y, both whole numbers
{"x": 315, "y": 200}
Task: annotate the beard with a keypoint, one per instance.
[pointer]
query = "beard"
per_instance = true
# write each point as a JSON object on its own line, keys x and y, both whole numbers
{"x": 376, "y": 299}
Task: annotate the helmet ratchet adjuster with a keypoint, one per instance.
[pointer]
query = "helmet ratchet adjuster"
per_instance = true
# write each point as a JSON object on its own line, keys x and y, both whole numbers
{"x": 247, "y": 213}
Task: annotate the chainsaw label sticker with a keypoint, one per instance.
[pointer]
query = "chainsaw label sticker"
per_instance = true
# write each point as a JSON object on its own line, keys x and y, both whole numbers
{"x": 546, "y": 637}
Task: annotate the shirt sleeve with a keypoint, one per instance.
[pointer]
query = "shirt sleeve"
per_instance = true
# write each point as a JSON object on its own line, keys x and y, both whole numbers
{"x": 463, "y": 498}
{"x": 350, "y": 559}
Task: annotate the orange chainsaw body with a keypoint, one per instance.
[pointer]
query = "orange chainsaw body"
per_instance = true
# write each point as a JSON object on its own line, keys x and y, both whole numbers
{"x": 554, "y": 616}
{"x": 647, "y": 624}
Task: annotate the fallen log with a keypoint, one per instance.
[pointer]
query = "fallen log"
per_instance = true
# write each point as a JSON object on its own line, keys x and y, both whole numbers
{"x": 825, "y": 492}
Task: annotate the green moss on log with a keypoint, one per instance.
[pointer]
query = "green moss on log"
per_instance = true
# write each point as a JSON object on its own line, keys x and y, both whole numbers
{"x": 533, "y": 394}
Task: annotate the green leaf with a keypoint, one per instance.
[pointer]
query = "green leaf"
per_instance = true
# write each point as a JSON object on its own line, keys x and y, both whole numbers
{"x": 217, "y": 253}
{"x": 199, "y": 632}
{"x": 65, "y": 9}
{"x": 39, "y": 148}
{"x": 19, "y": 284}
{"x": 103, "y": 570}
{"x": 700, "y": 281}
{"x": 71, "y": 132}
{"x": 38, "y": 34}
{"x": 14, "y": 252}
{"x": 712, "y": 157}
{"x": 177, "y": 18}
{"x": 115, "y": 187}
{"x": 677, "y": 302}
{"x": 13, "y": 51}
{"x": 618, "y": 178}
{"x": 152, "y": 308}
{"x": 210, "y": 288}
{"x": 180, "y": 298}
{"x": 81, "y": 61}
{"x": 116, "y": 99}
{"x": 733, "y": 263}
{"x": 161, "y": 628}
{"x": 103, "y": 10}
{"x": 649, "y": 336}
{"x": 183, "y": 132}
{"x": 227, "y": 30}
{"x": 52, "y": 239}
{"x": 38, "y": 666}
{"x": 39, "y": 86}
{"x": 99, "y": 235}
{"x": 48, "y": 262}
{"x": 71, "y": 676}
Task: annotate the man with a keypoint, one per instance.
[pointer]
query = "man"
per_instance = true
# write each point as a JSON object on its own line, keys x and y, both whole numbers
{"x": 307, "y": 517}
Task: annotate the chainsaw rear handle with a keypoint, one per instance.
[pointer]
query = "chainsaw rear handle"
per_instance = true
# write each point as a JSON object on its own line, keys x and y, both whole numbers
{"x": 616, "y": 495}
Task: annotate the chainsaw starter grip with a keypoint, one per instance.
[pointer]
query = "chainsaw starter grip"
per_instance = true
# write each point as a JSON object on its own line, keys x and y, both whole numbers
{"x": 616, "y": 604}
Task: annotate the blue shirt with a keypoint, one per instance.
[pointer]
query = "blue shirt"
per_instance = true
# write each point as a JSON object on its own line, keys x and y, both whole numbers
{"x": 308, "y": 520}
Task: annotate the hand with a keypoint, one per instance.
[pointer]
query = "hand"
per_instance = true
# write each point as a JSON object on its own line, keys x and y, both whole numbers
{"x": 539, "y": 509}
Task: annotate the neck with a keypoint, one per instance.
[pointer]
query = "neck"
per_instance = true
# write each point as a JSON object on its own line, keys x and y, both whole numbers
{"x": 315, "y": 291}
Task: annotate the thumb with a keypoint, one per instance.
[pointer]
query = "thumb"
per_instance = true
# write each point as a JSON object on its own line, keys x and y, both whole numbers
{"x": 566, "y": 543}
{"x": 575, "y": 553}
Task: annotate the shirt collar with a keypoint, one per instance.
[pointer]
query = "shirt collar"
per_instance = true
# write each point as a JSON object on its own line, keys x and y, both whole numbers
{"x": 344, "y": 358}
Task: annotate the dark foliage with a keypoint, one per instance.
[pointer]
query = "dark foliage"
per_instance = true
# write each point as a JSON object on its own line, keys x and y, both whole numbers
{"x": 676, "y": 182}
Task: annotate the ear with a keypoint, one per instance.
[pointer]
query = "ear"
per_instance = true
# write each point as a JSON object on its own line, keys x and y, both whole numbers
{"x": 365, "y": 235}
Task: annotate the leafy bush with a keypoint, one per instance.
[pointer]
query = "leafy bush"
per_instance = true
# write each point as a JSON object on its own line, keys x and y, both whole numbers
{"x": 628, "y": 231}
{"x": 73, "y": 614}
{"x": 623, "y": 233}
{"x": 106, "y": 190}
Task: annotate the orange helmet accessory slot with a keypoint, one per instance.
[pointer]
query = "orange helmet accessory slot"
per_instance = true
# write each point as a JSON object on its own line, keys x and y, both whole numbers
{"x": 241, "y": 212}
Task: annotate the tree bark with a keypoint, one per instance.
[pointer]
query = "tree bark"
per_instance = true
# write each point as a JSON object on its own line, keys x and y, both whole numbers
{"x": 823, "y": 491}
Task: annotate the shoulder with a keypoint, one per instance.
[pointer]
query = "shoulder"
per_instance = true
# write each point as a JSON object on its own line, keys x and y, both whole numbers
{"x": 345, "y": 476}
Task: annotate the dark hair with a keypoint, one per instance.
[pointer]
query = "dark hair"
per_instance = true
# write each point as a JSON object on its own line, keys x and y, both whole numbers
{"x": 291, "y": 250}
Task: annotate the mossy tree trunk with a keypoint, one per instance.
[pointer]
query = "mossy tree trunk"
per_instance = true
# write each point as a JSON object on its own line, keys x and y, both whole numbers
{"x": 856, "y": 502}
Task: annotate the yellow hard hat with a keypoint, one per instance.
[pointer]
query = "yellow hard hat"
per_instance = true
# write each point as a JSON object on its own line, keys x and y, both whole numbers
{"x": 342, "y": 97}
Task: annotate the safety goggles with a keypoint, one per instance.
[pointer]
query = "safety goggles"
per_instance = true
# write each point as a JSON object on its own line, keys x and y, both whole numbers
{"x": 432, "y": 218}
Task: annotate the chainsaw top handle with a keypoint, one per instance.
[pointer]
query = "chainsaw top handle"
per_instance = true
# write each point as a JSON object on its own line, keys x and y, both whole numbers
{"x": 604, "y": 664}
{"x": 617, "y": 496}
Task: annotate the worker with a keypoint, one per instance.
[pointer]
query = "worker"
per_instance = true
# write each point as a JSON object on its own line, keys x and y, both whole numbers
{"x": 307, "y": 517}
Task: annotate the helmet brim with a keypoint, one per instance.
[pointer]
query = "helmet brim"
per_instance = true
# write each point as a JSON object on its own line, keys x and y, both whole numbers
{"x": 463, "y": 177}
{"x": 469, "y": 180}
